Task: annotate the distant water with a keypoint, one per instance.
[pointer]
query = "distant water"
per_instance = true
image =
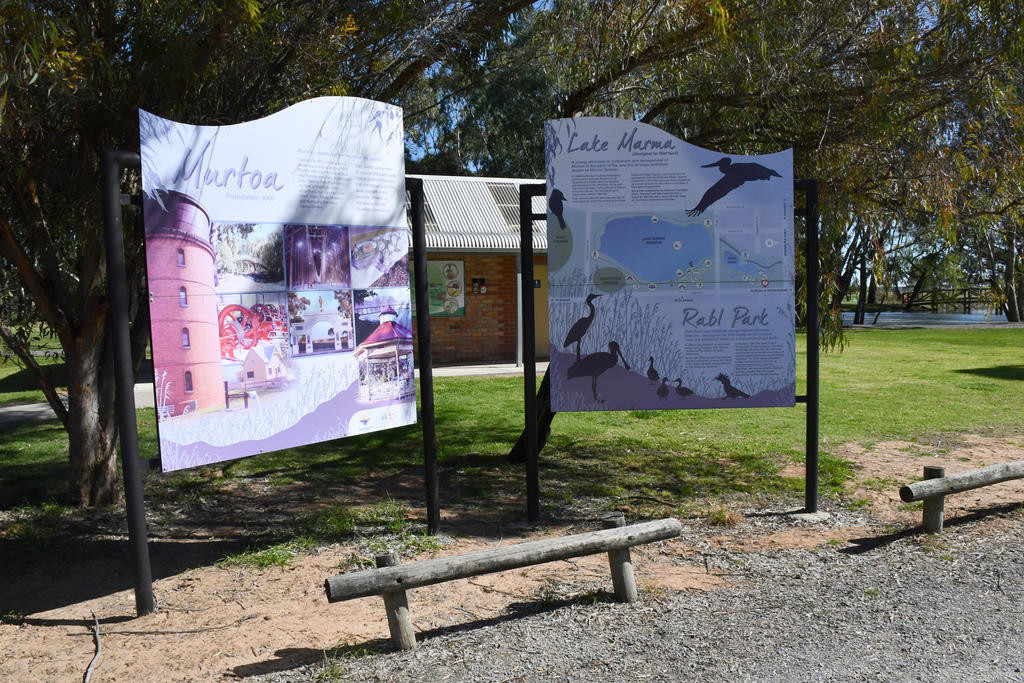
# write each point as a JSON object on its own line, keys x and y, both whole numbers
{"x": 925, "y": 319}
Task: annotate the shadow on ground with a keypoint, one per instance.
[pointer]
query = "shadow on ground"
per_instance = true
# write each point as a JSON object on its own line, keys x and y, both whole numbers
{"x": 38, "y": 576}
{"x": 868, "y": 543}
{"x": 1010, "y": 372}
{"x": 24, "y": 380}
{"x": 291, "y": 658}
{"x": 56, "y": 559}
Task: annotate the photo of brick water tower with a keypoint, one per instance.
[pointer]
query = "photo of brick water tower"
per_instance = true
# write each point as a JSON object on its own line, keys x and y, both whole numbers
{"x": 182, "y": 305}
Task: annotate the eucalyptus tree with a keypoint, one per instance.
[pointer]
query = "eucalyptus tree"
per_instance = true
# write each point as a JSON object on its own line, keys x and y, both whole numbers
{"x": 990, "y": 157}
{"x": 484, "y": 116}
{"x": 867, "y": 92}
{"x": 73, "y": 74}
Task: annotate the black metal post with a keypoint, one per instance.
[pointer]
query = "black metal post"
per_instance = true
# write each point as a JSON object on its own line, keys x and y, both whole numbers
{"x": 111, "y": 163}
{"x": 810, "y": 187}
{"x": 526, "y": 195}
{"x": 426, "y": 369}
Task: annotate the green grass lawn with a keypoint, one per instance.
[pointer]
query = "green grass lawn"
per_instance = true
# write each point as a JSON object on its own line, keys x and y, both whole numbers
{"x": 18, "y": 386}
{"x": 908, "y": 384}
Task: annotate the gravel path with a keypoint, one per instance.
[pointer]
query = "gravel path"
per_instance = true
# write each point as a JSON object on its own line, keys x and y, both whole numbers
{"x": 890, "y": 607}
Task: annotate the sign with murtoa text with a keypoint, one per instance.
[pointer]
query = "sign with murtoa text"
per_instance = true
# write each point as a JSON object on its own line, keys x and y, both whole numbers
{"x": 670, "y": 271}
{"x": 277, "y": 260}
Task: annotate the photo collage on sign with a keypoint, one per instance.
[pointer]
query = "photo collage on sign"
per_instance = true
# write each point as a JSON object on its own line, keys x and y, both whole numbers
{"x": 287, "y": 292}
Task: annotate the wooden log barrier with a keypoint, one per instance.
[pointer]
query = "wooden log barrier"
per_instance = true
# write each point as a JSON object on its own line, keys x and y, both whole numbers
{"x": 621, "y": 564}
{"x": 392, "y": 581}
{"x": 396, "y": 604}
{"x": 936, "y": 486}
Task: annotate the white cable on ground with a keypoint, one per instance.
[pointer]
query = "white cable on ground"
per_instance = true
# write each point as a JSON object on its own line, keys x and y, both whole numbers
{"x": 95, "y": 657}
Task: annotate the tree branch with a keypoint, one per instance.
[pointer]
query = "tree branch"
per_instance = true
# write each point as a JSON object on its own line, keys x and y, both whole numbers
{"x": 36, "y": 286}
{"x": 476, "y": 23}
{"x": 28, "y": 360}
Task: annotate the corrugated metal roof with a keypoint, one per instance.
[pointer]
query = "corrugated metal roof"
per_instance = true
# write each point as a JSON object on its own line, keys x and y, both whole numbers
{"x": 477, "y": 214}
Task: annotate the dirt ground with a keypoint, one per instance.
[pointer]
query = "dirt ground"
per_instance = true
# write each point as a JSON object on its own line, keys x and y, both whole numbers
{"x": 215, "y": 622}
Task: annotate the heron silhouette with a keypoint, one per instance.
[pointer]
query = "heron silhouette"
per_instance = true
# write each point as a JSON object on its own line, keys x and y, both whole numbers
{"x": 557, "y": 205}
{"x": 663, "y": 388}
{"x": 730, "y": 390}
{"x": 652, "y": 374}
{"x": 580, "y": 327}
{"x": 734, "y": 175}
{"x": 681, "y": 391}
{"x": 595, "y": 364}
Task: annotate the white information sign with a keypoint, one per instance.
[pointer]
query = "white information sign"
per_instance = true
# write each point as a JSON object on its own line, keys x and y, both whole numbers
{"x": 277, "y": 261}
{"x": 671, "y": 271}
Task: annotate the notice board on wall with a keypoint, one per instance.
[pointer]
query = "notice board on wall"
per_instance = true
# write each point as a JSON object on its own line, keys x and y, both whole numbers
{"x": 446, "y": 288}
{"x": 670, "y": 269}
{"x": 277, "y": 257}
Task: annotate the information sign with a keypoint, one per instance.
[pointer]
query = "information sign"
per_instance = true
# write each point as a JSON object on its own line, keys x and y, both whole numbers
{"x": 671, "y": 271}
{"x": 446, "y": 288}
{"x": 277, "y": 257}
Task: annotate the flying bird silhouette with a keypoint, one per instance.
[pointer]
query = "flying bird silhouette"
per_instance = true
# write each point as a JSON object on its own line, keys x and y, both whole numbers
{"x": 682, "y": 391}
{"x": 730, "y": 390}
{"x": 580, "y": 327}
{"x": 595, "y": 364}
{"x": 734, "y": 175}
{"x": 557, "y": 205}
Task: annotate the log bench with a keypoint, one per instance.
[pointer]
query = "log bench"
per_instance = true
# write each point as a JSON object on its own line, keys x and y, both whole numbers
{"x": 936, "y": 486}
{"x": 391, "y": 580}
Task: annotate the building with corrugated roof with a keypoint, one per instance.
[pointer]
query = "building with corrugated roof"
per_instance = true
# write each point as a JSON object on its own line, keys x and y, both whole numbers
{"x": 475, "y": 221}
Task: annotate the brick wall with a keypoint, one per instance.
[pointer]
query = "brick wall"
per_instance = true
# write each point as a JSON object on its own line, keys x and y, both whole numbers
{"x": 488, "y": 331}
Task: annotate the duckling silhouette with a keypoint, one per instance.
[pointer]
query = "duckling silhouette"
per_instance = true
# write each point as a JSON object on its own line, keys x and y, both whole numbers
{"x": 663, "y": 388}
{"x": 652, "y": 374}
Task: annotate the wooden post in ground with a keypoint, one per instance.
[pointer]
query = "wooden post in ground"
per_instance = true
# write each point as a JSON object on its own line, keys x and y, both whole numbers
{"x": 397, "y": 607}
{"x": 623, "y": 580}
{"x": 931, "y": 520}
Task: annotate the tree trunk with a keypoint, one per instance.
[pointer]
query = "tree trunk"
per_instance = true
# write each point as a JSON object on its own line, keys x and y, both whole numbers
{"x": 862, "y": 295}
{"x": 845, "y": 272}
{"x": 92, "y": 435}
{"x": 1011, "y": 285}
{"x": 918, "y": 284}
